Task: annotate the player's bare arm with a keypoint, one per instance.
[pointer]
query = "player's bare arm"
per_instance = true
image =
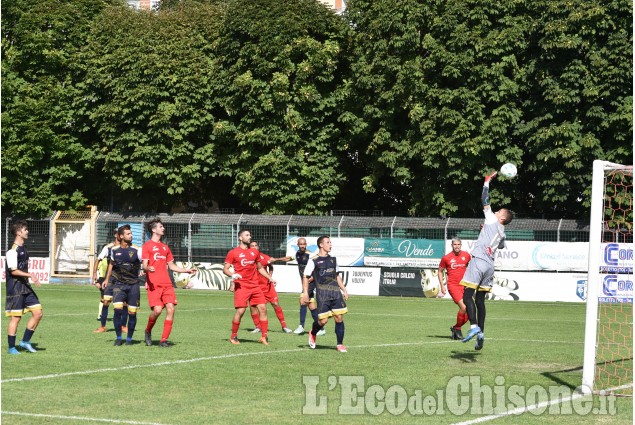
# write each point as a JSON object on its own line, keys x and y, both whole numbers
{"x": 178, "y": 269}
{"x": 440, "y": 275}
{"x": 263, "y": 272}
{"x": 340, "y": 283}
{"x": 32, "y": 276}
{"x": 304, "y": 298}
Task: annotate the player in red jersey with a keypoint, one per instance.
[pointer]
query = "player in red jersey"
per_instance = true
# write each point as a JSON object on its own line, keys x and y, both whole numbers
{"x": 245, "y": 262}
{"x": 271, "y": 296}
{"x": 156, "y": 259}
{"x": 454, "y": 264}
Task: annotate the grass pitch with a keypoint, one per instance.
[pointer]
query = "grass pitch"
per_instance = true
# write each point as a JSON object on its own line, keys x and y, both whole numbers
{"x": 399, "y": 352}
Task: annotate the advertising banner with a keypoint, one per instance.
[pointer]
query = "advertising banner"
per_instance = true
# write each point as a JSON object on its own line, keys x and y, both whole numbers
{"x": 617, "y": 263}
{"x": 417, "y": 253}
{"x": 40, "y": 266}
{"x": 401, "y": 282}
{"x": 358, "y": 280}
{"x": 538, "y": 256}
{"x": 349, "y": 251}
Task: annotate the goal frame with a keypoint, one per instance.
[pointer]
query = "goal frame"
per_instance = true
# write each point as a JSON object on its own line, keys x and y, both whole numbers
{"x": 593, "y": 274}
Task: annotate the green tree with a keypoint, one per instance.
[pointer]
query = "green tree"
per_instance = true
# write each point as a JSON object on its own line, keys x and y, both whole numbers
{"x": 579, "y": 102}
{"x": 282, "y": 66}
{"x": 151, "y": 100}
{"x": 437, "y": 84}
{"x": 44, "y": 164}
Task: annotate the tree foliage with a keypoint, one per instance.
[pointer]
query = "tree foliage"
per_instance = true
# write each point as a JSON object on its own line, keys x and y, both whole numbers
{"x": 286, "y": 107}
{"x": 45, "y": 165}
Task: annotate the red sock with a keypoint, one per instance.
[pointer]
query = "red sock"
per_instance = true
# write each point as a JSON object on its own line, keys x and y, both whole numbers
{"x": 235, "y": 326}
{"x": 280, "y": 315}
{"x": 461, "y": 319}
{"x": 264, "y": 327}
{"x": 256, "y": 317}
{"x": 150, "y": 325}
{"x": 167, "y": 328}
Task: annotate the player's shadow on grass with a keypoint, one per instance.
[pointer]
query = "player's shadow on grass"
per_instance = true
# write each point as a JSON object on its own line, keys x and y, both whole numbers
{"x": 553, "y": 375}
{"x": 37, "y": 347}
{"x": 465, "y": 356}
{"x": 441, "y": 337}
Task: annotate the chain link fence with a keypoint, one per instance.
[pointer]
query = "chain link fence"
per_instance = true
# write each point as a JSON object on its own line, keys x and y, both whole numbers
{"x": 208, "y": 237}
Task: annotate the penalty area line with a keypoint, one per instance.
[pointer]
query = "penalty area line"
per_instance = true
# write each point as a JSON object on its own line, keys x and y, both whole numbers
{"x": 78, "y": 418}
{"x": 544, "y": 404}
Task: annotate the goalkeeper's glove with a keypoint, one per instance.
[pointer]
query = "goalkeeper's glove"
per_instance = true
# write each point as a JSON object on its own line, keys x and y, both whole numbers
{"x": 489, "y": 178}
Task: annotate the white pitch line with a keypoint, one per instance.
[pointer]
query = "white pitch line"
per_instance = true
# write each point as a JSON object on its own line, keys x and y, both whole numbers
{"x": 537, "y": 406}
{"x": 200, "y": 359}
{"x": 79, "y": 418}
{"x": 229, "y": 356}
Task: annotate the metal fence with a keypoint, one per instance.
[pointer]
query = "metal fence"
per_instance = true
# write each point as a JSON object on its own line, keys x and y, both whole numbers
{"x": 39, "y": 242}
{"x": 208, "y": 237}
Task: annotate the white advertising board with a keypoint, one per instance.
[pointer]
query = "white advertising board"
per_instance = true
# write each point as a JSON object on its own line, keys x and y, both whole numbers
{"x": 534, "y": 256}
{"x": 40, "y": 266}
{"x": 349, "y": 251}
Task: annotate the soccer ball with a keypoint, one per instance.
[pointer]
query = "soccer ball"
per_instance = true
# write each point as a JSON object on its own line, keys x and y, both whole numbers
{"x": 429, "y": 283}
{"x": 509, "y": 170}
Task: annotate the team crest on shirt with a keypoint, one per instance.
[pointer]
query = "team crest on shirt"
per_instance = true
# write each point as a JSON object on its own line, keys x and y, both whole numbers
{"x": 130, "y": 254}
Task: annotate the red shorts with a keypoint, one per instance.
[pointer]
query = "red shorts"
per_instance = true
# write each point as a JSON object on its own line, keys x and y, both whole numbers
{"x": 250, "y": 294}
{"x": 456, "y": 292}
{"x": 161, "y": 295}
{"x": 270, "y": 293}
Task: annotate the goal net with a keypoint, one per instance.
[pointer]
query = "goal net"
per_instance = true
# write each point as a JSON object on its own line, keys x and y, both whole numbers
{"x": 608, "y": 339}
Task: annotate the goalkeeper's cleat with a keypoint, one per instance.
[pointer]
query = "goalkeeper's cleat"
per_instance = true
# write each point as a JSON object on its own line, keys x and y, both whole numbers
{"x": 256, "y": 331}
{"x": 264, "y": 340}
{"x": 13, "y": 350}
{"x": 471, "y": 334}
{"x": 118, "y": 342}
{"x": 342, "y": 348}
{"x": 128, "y": 341}
{"x": 286, "y": 330}
{"x": 234, "y": 340}
{"x": 311, "y": 340}
{"x": 480, "y": 339}
{"x": 27, "y": 346}
{"x": 321, "y": 332}
{"x": 299, "y": 330}
{"x": 100, "y": 330}
{"x": 148, "y": 338}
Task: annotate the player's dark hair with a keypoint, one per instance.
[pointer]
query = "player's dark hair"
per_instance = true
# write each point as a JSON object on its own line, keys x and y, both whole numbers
{"x": 18, "y": 225}
{"x": 508, "y": 216}
{"x": 153, "y": 223}
{"x": 121, "y": 229}
{"x": 243, "y": 231}
{"x": 254, "y": 241}
{"x": 321, "y": 239}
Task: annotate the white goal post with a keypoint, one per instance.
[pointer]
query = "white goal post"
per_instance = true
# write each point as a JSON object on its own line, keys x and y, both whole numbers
{"x": 605, "y": 275}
